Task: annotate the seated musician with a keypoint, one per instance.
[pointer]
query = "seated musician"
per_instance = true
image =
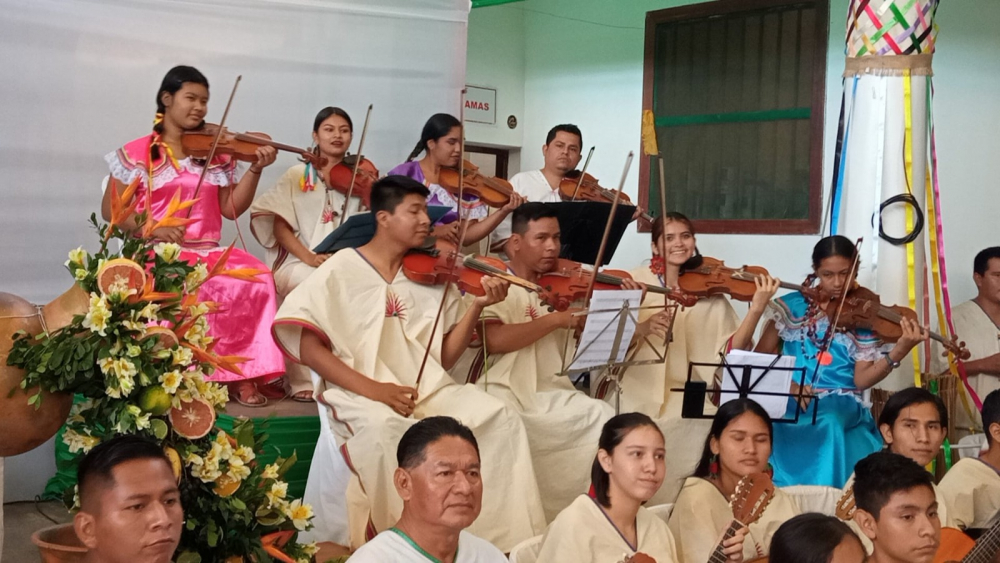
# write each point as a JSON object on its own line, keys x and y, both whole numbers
{"x": 825, "y": 452}
{"x": 914, "y": 424}
{"x": 294, "y": 216}
{"x": 610, "y": 524}
{"x": 526, "y": 350}
{"x": 698, "y": 334}
{"x": 738, "y": 445}
{"x": 130, "y": 506}
{"x": 971, "y": 488}
{"x": 439, "y": 477}
{"x": 977, "y": 322}
{"x": 241, "y": 327}
{"x": 441, "y": 143}
{"x": 896, "y": 509}
{"x": 365, "y": 329}
{"x": 816, "y": 538}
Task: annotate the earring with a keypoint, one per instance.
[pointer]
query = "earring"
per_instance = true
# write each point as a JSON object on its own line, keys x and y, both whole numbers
{"x": 713, "y": 465}
{"x": 769, "y": 471}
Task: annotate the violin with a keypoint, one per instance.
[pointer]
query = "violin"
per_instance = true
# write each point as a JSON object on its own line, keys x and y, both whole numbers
{"x": 439, "y": 262}
{"x": 640, "y": 557}
{"x": 494, "y": 192}
{"x": 713, "y": 277}
{"x": 862, "y": 309}
{"x": 339, "y": 177}
{"x": 241, "y": 146}
{"x": 572, "y": 188}
{"x": 569, "y": 281}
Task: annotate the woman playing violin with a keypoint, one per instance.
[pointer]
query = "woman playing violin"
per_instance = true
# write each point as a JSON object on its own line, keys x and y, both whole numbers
{"x": 240, "y": 328}
{"x": 441, "y": 141}
{"x": 291, "y": 218}
{"x": 854, "y": 360}
{"x": 697, "y": 333}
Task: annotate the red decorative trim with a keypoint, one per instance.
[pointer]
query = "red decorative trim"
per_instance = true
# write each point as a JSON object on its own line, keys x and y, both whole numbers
{"x": 301, "y": 324}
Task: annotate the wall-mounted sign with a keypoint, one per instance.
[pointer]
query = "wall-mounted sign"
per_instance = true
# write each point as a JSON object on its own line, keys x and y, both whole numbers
{"x": 481, "y": 105}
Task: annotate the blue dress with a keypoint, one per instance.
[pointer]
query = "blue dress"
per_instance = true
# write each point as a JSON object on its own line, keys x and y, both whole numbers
{"x": 845, "y": 432}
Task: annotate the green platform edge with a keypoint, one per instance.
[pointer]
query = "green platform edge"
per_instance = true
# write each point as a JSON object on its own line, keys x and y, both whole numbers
{"x": 285, "y": 434}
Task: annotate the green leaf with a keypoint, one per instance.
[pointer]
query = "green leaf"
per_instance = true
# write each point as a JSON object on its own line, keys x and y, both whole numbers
{"x": 159, "y": 428}
{"x": 288, "y": 464}
{"x": 189, "y": 557}
{"x": 238, "y": 504}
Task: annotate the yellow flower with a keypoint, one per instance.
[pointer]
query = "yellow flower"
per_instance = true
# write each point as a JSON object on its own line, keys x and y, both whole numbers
{"x": 77, "y": 256}
{"x": 135, "y": 326}
{"x": 276, "y": 494}
{"x": 79, "y": 442}
{"x": 198, "y": 310}
{"x": 270, "y": 471}
{"x": 310, "y": 549}
{"x": 98, "y": 315}
{"x": 182, "y": 356}
{"x": 107, "y": 365}
{"x": 169, "y": 251}
{"x": 132, "y": 351}
{"x": 237, "y": 470}
{"x": 170, "y": 381}
{"x": 150, "y": 312}
{"x": 120, "y": 289}
{"x": 80, "y": 274}
{"x": 299, "y": 514}
{"x": 244, "y": 453}
{"x": 198, "y": 275}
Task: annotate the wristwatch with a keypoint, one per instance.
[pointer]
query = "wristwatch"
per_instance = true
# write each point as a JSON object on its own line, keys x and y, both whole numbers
{"x": 892, "y": 363}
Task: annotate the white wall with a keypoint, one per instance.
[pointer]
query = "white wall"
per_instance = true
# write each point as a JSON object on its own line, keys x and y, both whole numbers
{"x": 583, "y": 65}
{"x": 495, "y": 59}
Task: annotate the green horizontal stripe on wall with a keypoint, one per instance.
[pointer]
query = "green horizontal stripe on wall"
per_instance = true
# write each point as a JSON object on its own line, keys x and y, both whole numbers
{"x": 484, "y": 3}
{"x": 733, "y": 117}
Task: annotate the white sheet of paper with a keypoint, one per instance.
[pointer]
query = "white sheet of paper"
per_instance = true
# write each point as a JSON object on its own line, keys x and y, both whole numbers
{"x": 773, "y": 381}
{"x": 598, "y": 338}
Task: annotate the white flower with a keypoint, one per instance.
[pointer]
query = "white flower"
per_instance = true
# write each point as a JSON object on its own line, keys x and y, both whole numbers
{"x": 77, "y": 256}
{"x": 270, "y": 471}
{"x": 79, "y": 442}
{"x": 244, "y": 453}
{"x": 198, "y": 275}
{"x": 276, "y": 494}
{"x": 76, "y": 498}
{"x": 198, "y": 309}
{"x": 182, "y": 356}
{"x": 169, "y": 251}
{"x": 80, "y": 274}
{"x": 150, "y": 312}
{"x": 238, "y": 471}
{"x": 299, "y": 514}
{"x": 170, "y": 381}
{"x": 98, "y": 314}
{"x": 142, "y": 421}
{"x": 310, "y": 549}
{"x": 135, "y": 326}
{"x": 120, "y": 289}
{"x": 132, "y": 351}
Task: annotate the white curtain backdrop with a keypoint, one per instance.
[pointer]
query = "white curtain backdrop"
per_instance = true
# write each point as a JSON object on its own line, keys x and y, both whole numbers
{"x": 79, "y": 79}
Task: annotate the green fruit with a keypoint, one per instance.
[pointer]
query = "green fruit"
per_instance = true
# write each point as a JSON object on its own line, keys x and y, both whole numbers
{"x": 155, "y": 400}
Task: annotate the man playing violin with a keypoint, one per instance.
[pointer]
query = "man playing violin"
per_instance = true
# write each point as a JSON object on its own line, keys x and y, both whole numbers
{"x": 978, "y": 321}
{"x": 294, "y": 216}
{"x": 525, "y": 349}
{"x": 365, "y": 329}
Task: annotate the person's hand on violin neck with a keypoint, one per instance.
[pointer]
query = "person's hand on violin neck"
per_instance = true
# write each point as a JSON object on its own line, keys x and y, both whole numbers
{"x": 637, "y": 213}
{"x": 265, "y": 157}
{"x": 496, "y": 291}
{"x": 913, "y": 334}
{"x": 766, "y": 288}
{"x": 447, "y": 232}
{"x": 516, "y": 200}
{"x": 629, "y": 283}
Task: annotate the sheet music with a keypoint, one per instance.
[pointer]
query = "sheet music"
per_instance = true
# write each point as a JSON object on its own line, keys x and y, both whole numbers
{"x": 601, "y": 328}
{"x": 761, "y": 379}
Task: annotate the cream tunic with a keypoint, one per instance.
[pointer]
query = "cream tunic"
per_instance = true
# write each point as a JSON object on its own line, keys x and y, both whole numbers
{"x": 982, "y": 338}
{"x": 971, "y": 490}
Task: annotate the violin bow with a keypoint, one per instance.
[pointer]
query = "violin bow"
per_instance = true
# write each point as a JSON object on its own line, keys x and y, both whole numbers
{"x": 662, "y": 243}
{"x": 215, "y": 142}
{"x": 357, "y": 163}
{"x": 598, "y": 262}
{"x": 831, "y": 331}
{"x": 463, "y": 226}
{"x": 583, "y": 172}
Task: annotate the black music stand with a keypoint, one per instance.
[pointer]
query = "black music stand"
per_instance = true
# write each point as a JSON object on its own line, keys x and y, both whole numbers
{"x": 742, "y": 376}
{"x": 359, "y": 228}
{"x": 581, "y": 224}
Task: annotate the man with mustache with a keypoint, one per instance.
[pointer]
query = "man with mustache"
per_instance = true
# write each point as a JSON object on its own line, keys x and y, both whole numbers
{"x": 365, "y": 329}
{"x": 896, "y": 509}
{"x": 440, "y": 481}
{"x": 130, "y": 506}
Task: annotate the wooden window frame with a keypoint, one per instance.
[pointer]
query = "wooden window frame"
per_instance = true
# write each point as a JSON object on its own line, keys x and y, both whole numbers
{"x": 502, "y": 155}
{"x": 811, "y": 225}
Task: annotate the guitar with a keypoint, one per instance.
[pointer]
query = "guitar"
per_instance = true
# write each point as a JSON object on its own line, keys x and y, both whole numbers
{"x": 956, "y": 547}
{"x": 753, "y": 493}
{"x": 846, "y": 506}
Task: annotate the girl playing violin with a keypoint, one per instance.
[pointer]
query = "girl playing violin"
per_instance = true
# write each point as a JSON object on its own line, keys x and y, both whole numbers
{"x": 698, "y": 334}
{"x": 825, "y": 453}
{"x": 441, "y": 141}
{"x": 291, "y": 218}
{"x": 242, "y": 326}
{"x": 739, "y": 444}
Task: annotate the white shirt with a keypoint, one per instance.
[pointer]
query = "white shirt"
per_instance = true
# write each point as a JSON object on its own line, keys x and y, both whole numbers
{"x": 533, "y": 186}
{"x": 390, "y": 546}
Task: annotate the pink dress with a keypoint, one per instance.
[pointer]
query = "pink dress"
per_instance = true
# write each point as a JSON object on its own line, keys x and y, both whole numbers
{"x": 242, "y": 326}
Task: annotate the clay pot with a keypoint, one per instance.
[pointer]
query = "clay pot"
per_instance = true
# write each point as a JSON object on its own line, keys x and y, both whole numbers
{"x": 26, "y": 428}
{"x": 59, "y": 544}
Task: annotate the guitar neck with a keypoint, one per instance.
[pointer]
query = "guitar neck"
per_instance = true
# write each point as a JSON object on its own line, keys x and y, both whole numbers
{"x": 987, "y": 546}
{"x": 717, "y": 555}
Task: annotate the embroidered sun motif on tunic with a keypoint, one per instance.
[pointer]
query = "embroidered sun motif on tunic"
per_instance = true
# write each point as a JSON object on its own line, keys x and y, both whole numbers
{"x": 327, "y": 216}
{"x": 394, "y": 307}
{"x": 531, "y": 312}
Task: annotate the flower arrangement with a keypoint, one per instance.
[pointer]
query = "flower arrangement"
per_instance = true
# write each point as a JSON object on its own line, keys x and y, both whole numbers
{"x": 139, "y": 357}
